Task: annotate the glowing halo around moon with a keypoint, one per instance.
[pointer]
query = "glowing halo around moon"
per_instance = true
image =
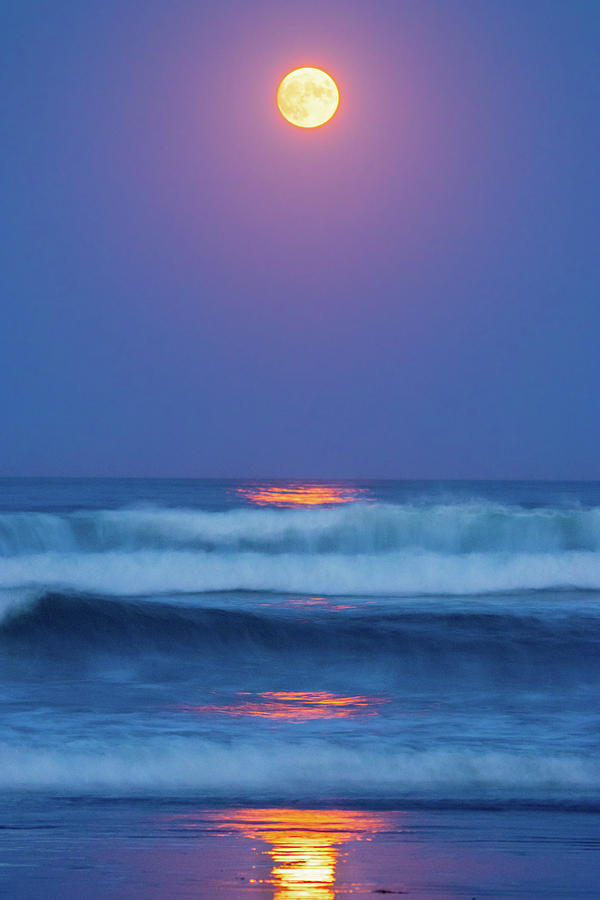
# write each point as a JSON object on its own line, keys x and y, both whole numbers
{"x": 308, "y": 97}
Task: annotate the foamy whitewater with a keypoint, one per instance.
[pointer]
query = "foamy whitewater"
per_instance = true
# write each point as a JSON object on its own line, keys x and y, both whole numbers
{"x": 289, "y": 642}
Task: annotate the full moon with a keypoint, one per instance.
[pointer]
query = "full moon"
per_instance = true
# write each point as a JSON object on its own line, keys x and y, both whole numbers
{"x": 307, "y": 97}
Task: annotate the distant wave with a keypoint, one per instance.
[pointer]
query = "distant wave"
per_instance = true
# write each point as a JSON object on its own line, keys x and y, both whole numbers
{"x": 355, "y": 528}
{"x": 289, "y": 770}
{"x": 362, "y": 549}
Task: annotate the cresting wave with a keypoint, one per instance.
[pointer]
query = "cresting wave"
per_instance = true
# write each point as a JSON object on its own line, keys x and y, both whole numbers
{"x": 366, "y": 549}
{"x": 431, "y": 640}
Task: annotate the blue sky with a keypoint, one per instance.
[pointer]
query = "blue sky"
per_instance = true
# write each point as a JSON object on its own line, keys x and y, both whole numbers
{"x": 191, "y": 286}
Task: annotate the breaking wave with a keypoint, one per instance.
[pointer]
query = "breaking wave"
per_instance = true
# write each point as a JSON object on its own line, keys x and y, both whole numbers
{"x": 361, "y": 548}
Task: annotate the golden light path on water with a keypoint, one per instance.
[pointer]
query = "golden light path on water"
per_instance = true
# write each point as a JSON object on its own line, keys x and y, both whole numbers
{"x": 293, "y": 493}
{"x": 304, "y": 845}
{"x": 295, "y": 706}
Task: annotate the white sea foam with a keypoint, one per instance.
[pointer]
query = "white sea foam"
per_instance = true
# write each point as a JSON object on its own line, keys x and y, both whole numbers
{"x": 292, "y": 770}
{"x": 148, "y": 572}
{"x": 13, "y": 602}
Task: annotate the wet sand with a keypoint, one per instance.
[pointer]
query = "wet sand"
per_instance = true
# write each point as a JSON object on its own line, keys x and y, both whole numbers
{"x": 152, "y": 849}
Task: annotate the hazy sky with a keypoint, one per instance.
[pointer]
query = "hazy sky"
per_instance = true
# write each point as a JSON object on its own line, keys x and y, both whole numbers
{"x": 192, "y": 286}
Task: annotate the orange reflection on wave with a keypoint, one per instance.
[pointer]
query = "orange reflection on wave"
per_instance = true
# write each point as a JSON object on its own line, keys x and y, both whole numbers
{"x": 305, "y": 602}
{"x": 297, "y": 706}
{"x": 301, "y": 494}
{"x": 304, "y": 845}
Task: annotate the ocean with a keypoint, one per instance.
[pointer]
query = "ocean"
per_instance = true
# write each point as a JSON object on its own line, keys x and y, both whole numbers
{"x": 196, "y": 657}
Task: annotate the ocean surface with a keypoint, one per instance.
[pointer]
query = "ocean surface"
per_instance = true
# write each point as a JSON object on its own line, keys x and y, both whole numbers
{"x": 294, "y": 645}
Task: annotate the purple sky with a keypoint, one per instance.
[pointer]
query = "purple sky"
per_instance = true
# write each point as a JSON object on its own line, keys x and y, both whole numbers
{"x": 194, "y": 287}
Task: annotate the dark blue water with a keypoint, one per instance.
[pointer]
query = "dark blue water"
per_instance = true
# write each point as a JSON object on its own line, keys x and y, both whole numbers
{"x": 424, "y": 644}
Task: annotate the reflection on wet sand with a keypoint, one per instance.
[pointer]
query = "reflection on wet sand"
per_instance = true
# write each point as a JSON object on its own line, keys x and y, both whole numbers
{"x": 296, "y": 706}
{"x": 299, "y": 493}
{"x": 304, "y": 844}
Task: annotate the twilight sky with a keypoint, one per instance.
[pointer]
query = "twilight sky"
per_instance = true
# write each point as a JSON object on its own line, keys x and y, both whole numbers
{"x": 192, "y": 286}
